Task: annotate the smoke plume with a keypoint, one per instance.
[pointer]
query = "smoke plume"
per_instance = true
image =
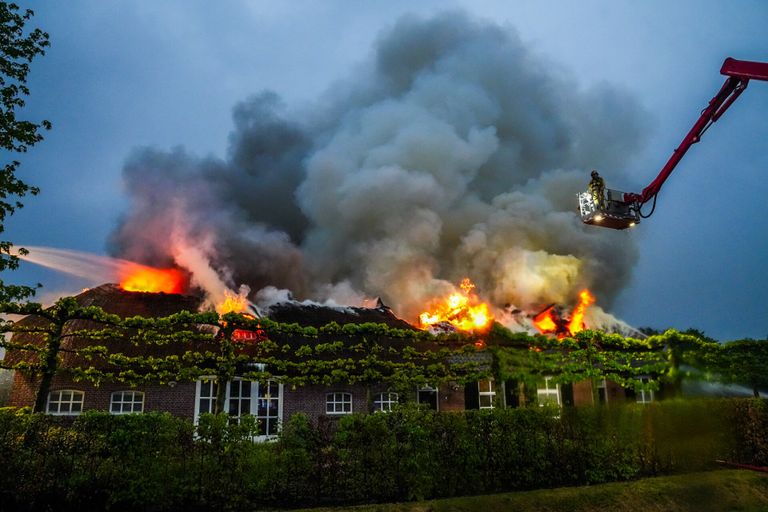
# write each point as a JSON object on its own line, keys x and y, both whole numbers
{"x": 454, "y": 151}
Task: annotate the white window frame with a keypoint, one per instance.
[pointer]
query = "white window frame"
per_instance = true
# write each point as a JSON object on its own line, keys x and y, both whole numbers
{"x": 486, "y": 392}
{"x": 384, "y": 401}
{"x": 643, "y": 396}
{"x": 243, "y": 400}
{"x": 336, "y": 402}
{"x": 544, "y": 394}
{"x": 428, "y": 389}
{"x": 258, "y": 402}
{"x": 129, "y": 399}
{"x": 263, "y": 400}
{"x": 210, "y": 397}
{"x": 67, "y": 404}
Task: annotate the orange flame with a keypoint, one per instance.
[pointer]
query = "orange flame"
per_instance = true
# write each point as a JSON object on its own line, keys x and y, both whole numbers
{"x": 232, "y": 303}
{"x": 139, "y": 278}
{"x": 464, "y": 310}
{"x": 549, "y": 321}
{"x": 545, "y": 321}
{"x": 577, "y": 317}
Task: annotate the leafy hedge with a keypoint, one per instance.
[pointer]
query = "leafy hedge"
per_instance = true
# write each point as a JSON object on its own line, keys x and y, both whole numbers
{"x": 159, "y": 462}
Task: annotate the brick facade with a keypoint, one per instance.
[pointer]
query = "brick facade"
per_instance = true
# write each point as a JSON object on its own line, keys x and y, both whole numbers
{"x": 311, "y": 400}
{"x": 178, "y": 400}
{"x": 582, "y": 393}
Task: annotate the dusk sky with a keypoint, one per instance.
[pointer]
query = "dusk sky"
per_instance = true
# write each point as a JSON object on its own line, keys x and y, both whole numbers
{"x": 126, "y": 75}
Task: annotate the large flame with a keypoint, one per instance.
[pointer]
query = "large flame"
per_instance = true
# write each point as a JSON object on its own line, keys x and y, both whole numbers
{"x": 577, "y": 317}
{"x": 550, "y": 321}
{"x": 232, "y": 303}
{"x": 545, "y": 321}
{"x": 140, "y": 278}
{"x": 464, "y": 310}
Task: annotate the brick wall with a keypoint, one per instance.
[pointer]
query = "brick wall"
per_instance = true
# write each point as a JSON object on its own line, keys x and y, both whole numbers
{"x": 178, "y": 400}
{"x": 582, "y": 393}
{"x": 615, "y": 393}
{"x": 23, "y": 391}
{"x": 310, "y": 400}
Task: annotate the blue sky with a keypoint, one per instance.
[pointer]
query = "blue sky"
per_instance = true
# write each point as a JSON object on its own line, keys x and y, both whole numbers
{"x": 121, "y": 75}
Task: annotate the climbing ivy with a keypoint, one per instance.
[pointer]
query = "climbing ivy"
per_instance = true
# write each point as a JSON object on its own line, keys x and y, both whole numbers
{"x": 95, "y": 346}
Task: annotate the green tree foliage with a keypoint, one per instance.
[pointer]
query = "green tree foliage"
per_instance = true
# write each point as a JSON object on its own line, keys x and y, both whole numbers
{"x": 45, "y": 334}
{"x": 18, "y": 47}
{"x": 743, "y": 362}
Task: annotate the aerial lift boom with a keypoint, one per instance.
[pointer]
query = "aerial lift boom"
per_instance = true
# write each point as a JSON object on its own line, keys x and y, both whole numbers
{"x": 620, "y": 210}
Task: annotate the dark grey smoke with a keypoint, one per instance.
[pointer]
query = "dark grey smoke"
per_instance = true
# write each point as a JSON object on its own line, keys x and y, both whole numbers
{"x": 456, "y": 151}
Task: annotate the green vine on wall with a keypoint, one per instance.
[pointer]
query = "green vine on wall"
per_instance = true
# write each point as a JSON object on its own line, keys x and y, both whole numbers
{"x": 96, "y": 347}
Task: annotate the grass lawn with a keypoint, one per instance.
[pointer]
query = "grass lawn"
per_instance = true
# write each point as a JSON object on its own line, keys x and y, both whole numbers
{"x": 716, "y": 491}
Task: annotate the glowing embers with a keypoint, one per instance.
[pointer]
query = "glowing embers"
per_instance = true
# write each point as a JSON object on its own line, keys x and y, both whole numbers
{"x": 463, "y": 310}
{"x": 551, "y": 321}
{"x": 140, "y": 278}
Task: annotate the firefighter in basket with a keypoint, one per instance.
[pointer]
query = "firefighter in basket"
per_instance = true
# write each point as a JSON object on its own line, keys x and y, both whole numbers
{"x": 597, "y": 189}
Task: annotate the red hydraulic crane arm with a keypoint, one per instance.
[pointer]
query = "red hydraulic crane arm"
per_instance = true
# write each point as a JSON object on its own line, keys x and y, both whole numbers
{"x": 739, "y": 73}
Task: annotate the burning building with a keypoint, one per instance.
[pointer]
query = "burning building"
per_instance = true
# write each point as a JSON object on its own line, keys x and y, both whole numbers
{"x": 269, "y": 400}
{"x": 453, "y": 152}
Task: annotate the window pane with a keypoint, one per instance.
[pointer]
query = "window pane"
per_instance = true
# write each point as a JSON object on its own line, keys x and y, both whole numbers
{"x": 428, "y": 397}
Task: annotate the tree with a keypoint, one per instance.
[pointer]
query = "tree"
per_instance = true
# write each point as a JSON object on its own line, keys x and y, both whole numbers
{"x": 744, "y": 362}
{"x": 18, "y": 47}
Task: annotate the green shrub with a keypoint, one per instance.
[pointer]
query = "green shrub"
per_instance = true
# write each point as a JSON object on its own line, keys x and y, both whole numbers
{"x": 157, "y": 462}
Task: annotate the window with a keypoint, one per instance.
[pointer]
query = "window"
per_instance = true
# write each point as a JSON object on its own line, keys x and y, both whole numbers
{"x": 245, "y": 397}
{"x": 602, "y": 392}
{"x": 65, "y": 401}
{"x": 428, "y": 396}
{"x": 126, "y": 402}
{"x": 207, "y": 389}
{"x": 643, "y": 396}
{"x": 547, "y": 392}
{"x": 268, "y": 407}
{"x": 338, "y": 403}
{"x": 384, "y": 402}
{"x": 486, "y": 393}
{"x": 239, "y": 398}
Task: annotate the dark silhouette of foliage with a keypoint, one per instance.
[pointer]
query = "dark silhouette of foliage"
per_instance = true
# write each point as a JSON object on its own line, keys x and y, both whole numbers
{"x": 18, "y": 47}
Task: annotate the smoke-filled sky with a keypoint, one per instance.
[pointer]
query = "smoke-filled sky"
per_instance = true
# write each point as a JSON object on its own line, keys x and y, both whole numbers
{"x": 345, "y": 150}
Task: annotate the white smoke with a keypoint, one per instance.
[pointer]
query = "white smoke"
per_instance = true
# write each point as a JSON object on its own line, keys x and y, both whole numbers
{"x": 454, "y": 152}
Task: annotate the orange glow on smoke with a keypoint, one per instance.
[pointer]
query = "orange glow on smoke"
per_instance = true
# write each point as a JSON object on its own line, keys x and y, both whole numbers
{"x": 577, "y": 317}
{"x": 464, "y": 310}
{"x": 232, "y": 303}
{"x": 549, "y": 321}
{"x": 138, "y": 278}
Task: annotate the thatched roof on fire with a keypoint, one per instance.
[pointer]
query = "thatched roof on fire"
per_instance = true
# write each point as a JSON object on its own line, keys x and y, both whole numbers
{"x": 315, "y": 315}
{"x": 114, "y": 300}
